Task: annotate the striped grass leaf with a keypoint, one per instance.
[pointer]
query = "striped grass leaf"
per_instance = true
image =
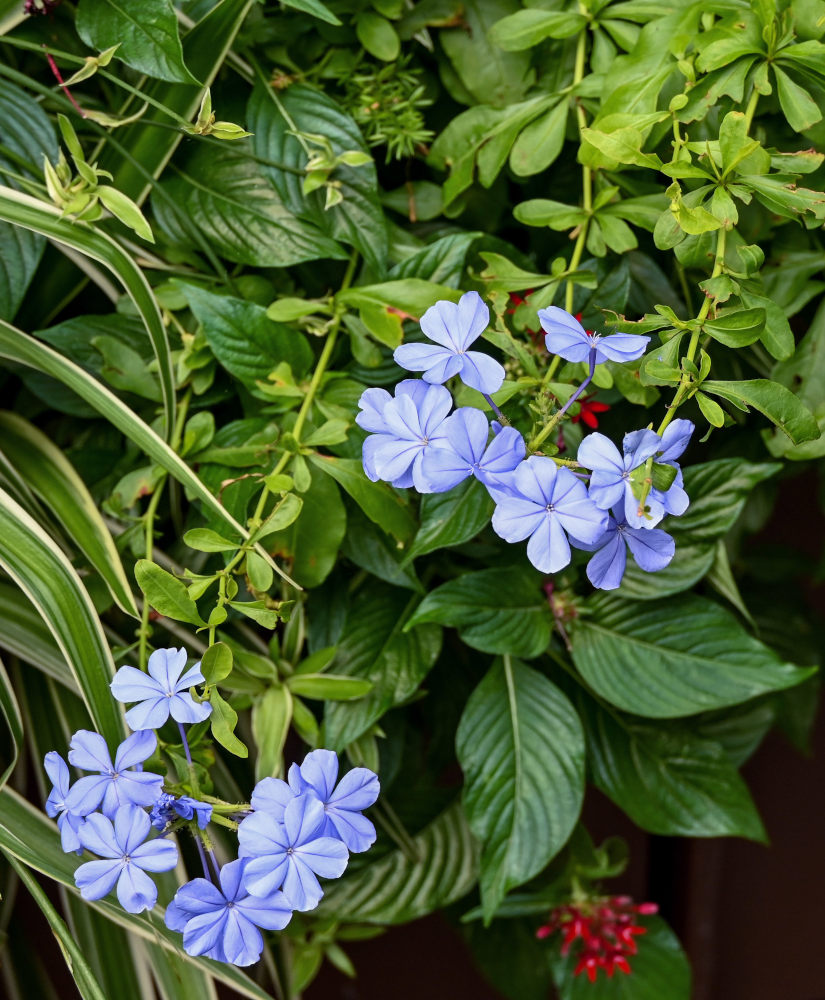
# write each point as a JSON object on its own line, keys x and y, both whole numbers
{"x": 51, "y": 475}
{"x": 11, "y": 712}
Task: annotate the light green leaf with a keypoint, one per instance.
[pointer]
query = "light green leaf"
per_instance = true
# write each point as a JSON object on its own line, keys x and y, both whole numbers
{"x": 222, "y": 721}
{"x": 527, "y": 28}
{"x": 799, "y": 107}
{"x": 377, "y": 36}
{"x": 521, "y": 747}
{"x": 11, "y": 713}
{"x": 396, "y": 889}
{"x": 271, "y": 716}
{"x": 206, "y": 540}
{"x": 778, "y": 404}
{"x": 666, "y": 659}
{"x": 329, "y": 687}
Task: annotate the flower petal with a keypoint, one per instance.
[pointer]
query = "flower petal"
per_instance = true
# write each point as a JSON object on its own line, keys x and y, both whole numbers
{"x": 96, "y": 879}
{"x": 88, "y": 751}
{"x": 131, "y": 684}
{"x": 262, "y": 833}
{"x": 86, "y": 793}
{"x": 156, "y": 855}
{"x": 58, "y": 772}
{"x": 481, "y": 372}
{"x": 135, "y": 749}
{"x": 303, "y": 817}
{"x": 473, "y": 318}
{"x": 652, "y": 548}
{"x": 606, "y": 569}
{"x": 514, "y": 519}
{"x": 132, "y": 827}
{"x": 418, "y": 357}
{"x": 358, "y": 789}
{"x": 442, "y": 469}
{"x": 548, "y": 549}
{"x": 371, "y": 404}
{"x": 355, "y": 830}
{"x": 326, "y": 856}
{"x": 301, "y": 888}
{"x": 504, "y": 453}
{"x": 98, "y": 836}
{"x": 622, "y": 346}
{"x": 136, "y": 892}
{"x": 263, "y": 876}
{"x": 273, "y": 913}
{"x": 184, "y": 708}
{"x": 598, "y": 452}
{"x": 149, "y": 714}
{"x": 320, "y": 771}
{"x": 241, "y": 940}
{"x": 675, "y": 439}
{"x": 272, "y": 795}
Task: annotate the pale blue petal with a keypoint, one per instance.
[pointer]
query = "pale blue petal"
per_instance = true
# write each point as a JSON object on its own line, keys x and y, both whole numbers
{"x": 261, "y": 834}
{"x": 272, "y": 795}
{"x": 303, "y": 817}
{"x": 320, "y": 771}
{"x": 184, "y": 708}
{"x": 355, "y": 830}
{"x": 598, "y": 452}
{"x": 622, "y": 346}
{"x": 241, "y": 940}
{"x": 515, "y": 519}
{"x": 473, "y": 318}
{"x": 441, "y": 324}
{"x": 443, "y": 469}
{"x": 467, "y": 431}
{"x": 131, "y": 684}
{"x": 231, "y": 877}
{"x": 135, "y": 749}
{"x": 86, "y": 794}
{"x": 273, "y": 913}
{"x": 481, "y": 372}
{"x": 136, "y": 892}
{"x": 535, "y": 478}
{"x": 262, "y": 876}
{"x": 88, "y": 751}
{"x": 58, "y": 772}
{"x": 504, "y": 453}
{"x": 652, "y": 548}
{"x": 192, "y": 678}
{"x": 371, "y": 404}
{"x": 96, "y": 879}
{"x": 548, "y": 549}
{"x": 132, "y": 827}
{"x": 638, "y": 447}
{"x": 433, "y": 409}
{"x": 358, "y": 789}
{"x": 326, "y": 856}
{"x": 447, "y": 366}
{"x": 606, "y": 569}
{"x": 675, "y": 439}
{"x": 149, "y": 714}
{"x": 301, "y": 888}
{"x": 418, "y": 357}
{"x": 98, "y": 836}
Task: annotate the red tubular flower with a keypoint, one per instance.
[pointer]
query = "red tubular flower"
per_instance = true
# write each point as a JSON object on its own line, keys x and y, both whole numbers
{"x": 588, "y": 408}
{"x": 604, "y": 930}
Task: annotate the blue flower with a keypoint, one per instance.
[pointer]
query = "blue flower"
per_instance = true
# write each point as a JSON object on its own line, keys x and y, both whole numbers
{"x": 454, "y": 327}
{"x": 566, "y": 337}
{"x": 128, "y": 857}
{"x": 410, "y": 424}
{"x": 674, "y": 440}
{"x": 289, "y": 855}
{"x": 610, "y": 481}
{"x": 652, "y": 549}
{"x": 357, "y": 790}
{"x": 67, "y": 822}
{"x": 115, "y": 785}
{"x": 547, "y": 504}
{"x": 164, "y": 691}
{"x": 168, "y": 806}
{"x": 465, "y": 451}
{"x": 222, "y": 923}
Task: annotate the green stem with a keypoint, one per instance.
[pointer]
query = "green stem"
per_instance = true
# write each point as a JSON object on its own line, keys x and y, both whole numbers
{"x": 750, "y": 110}
{"x": 587, "y": 175}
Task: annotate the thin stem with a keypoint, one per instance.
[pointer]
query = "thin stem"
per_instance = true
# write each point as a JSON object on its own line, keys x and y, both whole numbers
{"x": 202, "y": 854}
{"x": 62, "y": 82}
{"x": 544, "y": 433}
{"x": 495, "y": 409}
{"x": 193, "y": 777}
{"x": 587, "y": 175}
{"x": 750, "y": 110}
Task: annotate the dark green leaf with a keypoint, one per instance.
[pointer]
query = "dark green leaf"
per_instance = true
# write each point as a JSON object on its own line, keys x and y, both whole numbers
{"x": 521, "y": 747}
{"x": 495, "y": 610}
{"x": 166, "y": 594}
{"x": 451, "y": 518}
{"x": 777, "y": 403}
{"x": 676, "y": 657}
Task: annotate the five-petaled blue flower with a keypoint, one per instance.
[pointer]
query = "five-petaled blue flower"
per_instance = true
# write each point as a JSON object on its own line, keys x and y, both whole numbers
{"x": 164, "y": 691}
{"x": 454, "y": 327}
{"x": 342, "y": 803}
{"x": 547, "y": 503}
{"x": 410, "y": 422}
{"x": 290, "y": 854}
{"x": 610, "y": 481}
{"x": 67, "y": 822}
{"x": 222, "y": 923}
{"x": 115, "y": 785}
{"x": 652, "y": 549}
{"x": 168, "y": 807}
{"x": 128, "y": 856}
{"x": 464, "y": 452}
{"x": 566, "y": 337}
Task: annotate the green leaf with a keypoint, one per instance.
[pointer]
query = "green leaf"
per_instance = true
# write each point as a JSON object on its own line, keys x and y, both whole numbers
{"x": 798, "y": 106}
{"x": 207, "y": 540}
{"x": 329, "y": 687}
{"x": 271, "y": 716}
{"x": 21, "y": 210}
{"x": 377, "y": 36}
{"x": 216, "y": 664}
{"x": 544, "y": 212}
{"x": 146, "y": 39}
{"x": 258, "y": 612}
{"x": 621, "y": 146}
{"x": 718, "y": 492}
{"x": 24, "y": 633}
{"x": 527, "y": 28}
{"x": 399, "y": 887}
{"x": 667, "y": 778}
{"x": 246, "y": 342}
{"x": 484, "y": 72}
{"x": 777, "y": 403}
{"x": 285, "y": 512}
{"x": 358, "y": 220}
{"x": 166, "y": 594}
{"x": 495, "y": 610}
{"x": 50, "y": 474}
{"x": 375, "y": 647}
{"x": 28, "y": 134}
{"x": 222, "y": 721}
{"x": 539, "y": 145}
{"x": 521, "y": 747}
{"x": 736, "y": 328}
{"x": 315, "y": 8}
{"x": 226, "y": 195}
{"x": 690, "y": 563}
{"x": 451, "y": 518}
{"x": 44, "y": 574}
{"x": 660, "y": 970}
{"x": 314, "y": 538}
{"x": 382, "y": 505}
{"x": 19, "y": 347}
{"x": 14, "y": 722}
{"x": 29, "y": 835}
{"x": 78, "y": 967}
{"x": 676, "y": 657}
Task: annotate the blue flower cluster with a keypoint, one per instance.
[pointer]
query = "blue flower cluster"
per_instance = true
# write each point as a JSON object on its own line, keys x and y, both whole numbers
{"x": 602, "y": 503}
{"x": 289, "y": 834}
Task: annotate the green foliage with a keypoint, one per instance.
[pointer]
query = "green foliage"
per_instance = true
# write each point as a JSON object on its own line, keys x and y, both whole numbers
{"x": 212, "y": 238}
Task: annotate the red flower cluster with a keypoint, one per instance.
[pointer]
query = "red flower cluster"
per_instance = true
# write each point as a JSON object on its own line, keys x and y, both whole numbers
{"x": 607, "y": 928}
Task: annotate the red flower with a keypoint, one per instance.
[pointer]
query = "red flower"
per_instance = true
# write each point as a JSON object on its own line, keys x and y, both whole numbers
{"x": 606, "y": 929}
{"x": 588, "y": 408}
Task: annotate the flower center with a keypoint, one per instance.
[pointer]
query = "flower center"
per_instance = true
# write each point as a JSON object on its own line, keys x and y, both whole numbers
{"x": 290, "y": 850}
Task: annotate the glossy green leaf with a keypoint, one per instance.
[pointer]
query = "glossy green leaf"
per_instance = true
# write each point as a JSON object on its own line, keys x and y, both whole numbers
{"x": 667, "y": 778}
{"x": 358, "y": 220}
{"x": 521, "y": 747}
{"x": 45, "y": 575}
{"x": 718, "y": 492}
{"x": 451, "y": 518}
{"x": 14, "y": 723}
{"x": 665, "y": 659}
{"x": 778, "y": 404}
{"x": 147, "y": 39}
{"x": 226, "y": 195}
{"x": 527, "y": 28}
{"x": 495, "y": 610}
{"x": 165, "y": 593}
{"x": 375, "y": 647}
{"x": 396, "y": 888}
{"x": 50, "y": 474}
{"x": 329, "y": 687}
{"x": 382, "y": 505}
{"x": 223, "y": 721}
